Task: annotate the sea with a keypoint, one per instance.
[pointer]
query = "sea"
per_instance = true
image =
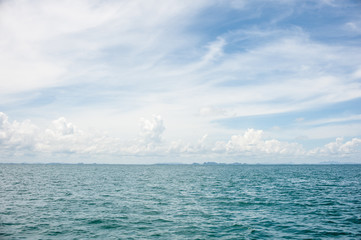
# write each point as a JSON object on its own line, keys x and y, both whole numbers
{"x": 180, "y": 201}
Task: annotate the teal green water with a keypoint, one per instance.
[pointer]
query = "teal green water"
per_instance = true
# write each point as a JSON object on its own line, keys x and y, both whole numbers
{"x": 180, "y": 202}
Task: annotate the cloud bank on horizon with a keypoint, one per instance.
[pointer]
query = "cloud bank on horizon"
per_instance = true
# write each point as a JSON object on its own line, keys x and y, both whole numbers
{"x": 143, "y": 81}
{"x": 62, "y": 139}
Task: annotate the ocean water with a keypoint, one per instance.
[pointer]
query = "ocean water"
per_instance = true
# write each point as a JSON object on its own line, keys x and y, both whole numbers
{"x": 180, "y": 202}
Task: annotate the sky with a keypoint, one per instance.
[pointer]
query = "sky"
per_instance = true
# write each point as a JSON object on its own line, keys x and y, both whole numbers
{"x": 168, "y": 81}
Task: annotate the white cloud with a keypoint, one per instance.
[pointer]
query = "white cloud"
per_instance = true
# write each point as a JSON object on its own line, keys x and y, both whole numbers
{"x": 329, "y": 2}
{"x": 212, "y": 111}
{"x": 354, "y": 27}
{"x": 126, "y": 59}
{"x": 308, "y": 75}
{"x": 199, "y": 148}
{"x": 16, "y": 136}
{"x": 253, "y": 142}
{"x": 62, "y": 137}
{"x": 69, "y": 43}
{"x": 54, "y": 43}
{"x": 327, "y": 131}
{"x": 357, "y": 74}
{"x": 339, "y": 148}
{"x": 215, "y": 50}
{"x": 334, "y": 120}
{"x": 151, "y": 131}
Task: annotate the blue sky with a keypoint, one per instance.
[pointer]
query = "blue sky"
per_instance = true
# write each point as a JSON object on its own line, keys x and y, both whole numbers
{"x": 180, "y": 81}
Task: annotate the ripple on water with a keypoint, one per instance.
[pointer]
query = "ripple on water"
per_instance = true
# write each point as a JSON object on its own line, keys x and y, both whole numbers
{"x": 180, "y": 202}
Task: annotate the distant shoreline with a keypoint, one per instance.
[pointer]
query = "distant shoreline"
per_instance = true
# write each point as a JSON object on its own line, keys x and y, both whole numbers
{"x": 188, "y": 164}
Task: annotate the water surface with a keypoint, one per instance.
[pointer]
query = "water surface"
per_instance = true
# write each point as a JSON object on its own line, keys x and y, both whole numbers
{"x": 180, "y": 202}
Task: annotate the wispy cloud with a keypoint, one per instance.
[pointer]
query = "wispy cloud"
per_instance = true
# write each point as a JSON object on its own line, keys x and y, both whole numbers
{"x": 105, "y": 65}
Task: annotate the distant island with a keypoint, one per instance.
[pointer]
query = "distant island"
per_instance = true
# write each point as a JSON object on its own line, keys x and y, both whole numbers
{"x": 194, "y": 164}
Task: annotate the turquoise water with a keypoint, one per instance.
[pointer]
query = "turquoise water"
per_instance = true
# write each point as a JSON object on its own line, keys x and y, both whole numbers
{"x": 180, "y": 202}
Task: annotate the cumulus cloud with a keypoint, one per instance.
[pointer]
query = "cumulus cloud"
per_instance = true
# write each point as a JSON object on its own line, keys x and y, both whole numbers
{"x": 253, "y": 142}
{"x": 199, "y": 147}
{"x": 60, "y": 137}
{"x": 18, "y": 138}
{"x": 16, "y": 135}
{"x": 151, "y": 130}
{"x": 63, "y": 136}
{"x": 339, "y": 148}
